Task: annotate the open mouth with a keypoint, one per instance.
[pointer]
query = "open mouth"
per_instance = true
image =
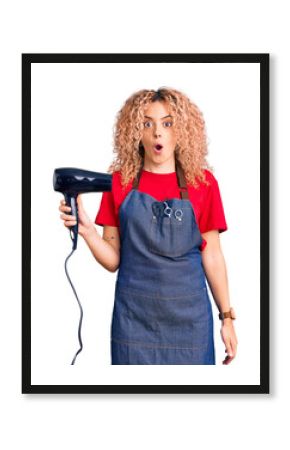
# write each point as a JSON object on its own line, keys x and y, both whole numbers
{"x": 158, "y": 147}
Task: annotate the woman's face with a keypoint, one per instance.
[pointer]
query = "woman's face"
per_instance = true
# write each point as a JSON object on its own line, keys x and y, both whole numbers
{"x": 158, "y": 130}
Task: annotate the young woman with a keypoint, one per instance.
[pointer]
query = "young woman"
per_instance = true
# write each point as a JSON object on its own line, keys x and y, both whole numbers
{"x": 161, "y": 225}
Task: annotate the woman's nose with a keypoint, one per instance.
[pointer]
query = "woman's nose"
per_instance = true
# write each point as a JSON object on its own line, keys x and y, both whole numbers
{"x": 157, "y": 132}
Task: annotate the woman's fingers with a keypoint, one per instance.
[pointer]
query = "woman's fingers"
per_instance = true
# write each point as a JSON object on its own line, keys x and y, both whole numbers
{"x": 69, "y": 223}
{"x": 63, "y": 207}
{"x": 68, "y": 219}
{"x": 231, "y": 352}
{"x": 230, "y": 341}
{"x": 229, "y": 349}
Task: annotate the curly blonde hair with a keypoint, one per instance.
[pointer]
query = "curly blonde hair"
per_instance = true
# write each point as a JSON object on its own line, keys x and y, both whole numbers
{"x": 189, "y": 125}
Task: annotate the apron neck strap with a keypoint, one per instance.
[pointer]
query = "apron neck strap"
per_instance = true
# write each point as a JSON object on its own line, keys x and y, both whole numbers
{"x": 138, "y": 176}
{"x": 180, "y": 178}
{"x": 181, "y": 181}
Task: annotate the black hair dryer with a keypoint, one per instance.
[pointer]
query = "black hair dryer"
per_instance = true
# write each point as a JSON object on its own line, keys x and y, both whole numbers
{"x": 71, "y": 182}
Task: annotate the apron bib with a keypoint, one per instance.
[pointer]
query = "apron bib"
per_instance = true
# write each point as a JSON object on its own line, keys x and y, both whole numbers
{"x": 162, "y": 312}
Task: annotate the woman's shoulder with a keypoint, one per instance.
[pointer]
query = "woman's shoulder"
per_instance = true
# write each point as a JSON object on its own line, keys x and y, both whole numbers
{"x": 210, "y": 178}
{"x": 117, "y": 177}
{"x": 117, "y": 186}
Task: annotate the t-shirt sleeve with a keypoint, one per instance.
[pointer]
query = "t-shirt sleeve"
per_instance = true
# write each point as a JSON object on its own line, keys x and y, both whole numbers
{"x": 106, "y": 214}
{"x": 213, "y": 216}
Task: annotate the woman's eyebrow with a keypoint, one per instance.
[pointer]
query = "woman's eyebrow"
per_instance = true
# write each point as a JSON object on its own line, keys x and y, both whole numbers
{"x": 148, "y": 117}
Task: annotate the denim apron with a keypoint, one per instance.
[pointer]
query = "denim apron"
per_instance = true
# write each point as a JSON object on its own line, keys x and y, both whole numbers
{"x": 162, "y": 312}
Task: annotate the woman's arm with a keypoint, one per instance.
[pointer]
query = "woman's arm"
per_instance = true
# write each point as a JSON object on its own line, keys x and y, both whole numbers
{"x": 105, "y": 249}
{"x": 215, "y": 269}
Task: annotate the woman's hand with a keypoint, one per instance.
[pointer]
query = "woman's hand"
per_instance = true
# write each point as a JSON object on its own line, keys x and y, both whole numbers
{"x": 230, "y": 340}
{"x": 85, "y": 224}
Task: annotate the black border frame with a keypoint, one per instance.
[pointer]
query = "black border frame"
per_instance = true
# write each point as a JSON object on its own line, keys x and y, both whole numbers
{"x": 263, "y": 59}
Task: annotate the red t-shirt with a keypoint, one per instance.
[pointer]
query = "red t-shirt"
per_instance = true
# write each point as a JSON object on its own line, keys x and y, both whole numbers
{"x": 206, "y": 200}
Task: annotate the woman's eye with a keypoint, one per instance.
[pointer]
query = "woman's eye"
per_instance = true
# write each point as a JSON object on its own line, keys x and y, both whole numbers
{"x": 166, "y": 124}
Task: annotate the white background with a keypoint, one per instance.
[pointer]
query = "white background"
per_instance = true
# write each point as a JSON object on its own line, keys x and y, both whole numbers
{"x": 74, "y": 421}
{"x": 73, "y": 111}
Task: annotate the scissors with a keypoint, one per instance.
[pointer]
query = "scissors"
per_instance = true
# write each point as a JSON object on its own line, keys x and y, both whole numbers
{"x": 178, "y": 214}
{"x": 167, "y": 209}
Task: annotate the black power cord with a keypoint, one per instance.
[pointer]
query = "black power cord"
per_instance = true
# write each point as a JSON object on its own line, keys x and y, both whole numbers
{"x": 81, "y": 310}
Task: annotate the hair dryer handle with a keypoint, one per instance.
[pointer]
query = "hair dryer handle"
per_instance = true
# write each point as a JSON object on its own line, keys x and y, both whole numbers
{"x": 71, "y": 201}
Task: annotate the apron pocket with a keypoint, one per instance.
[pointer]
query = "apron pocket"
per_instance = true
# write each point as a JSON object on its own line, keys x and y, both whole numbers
{"x": 172, "y": 237}
{"x": 180, "y": 323}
